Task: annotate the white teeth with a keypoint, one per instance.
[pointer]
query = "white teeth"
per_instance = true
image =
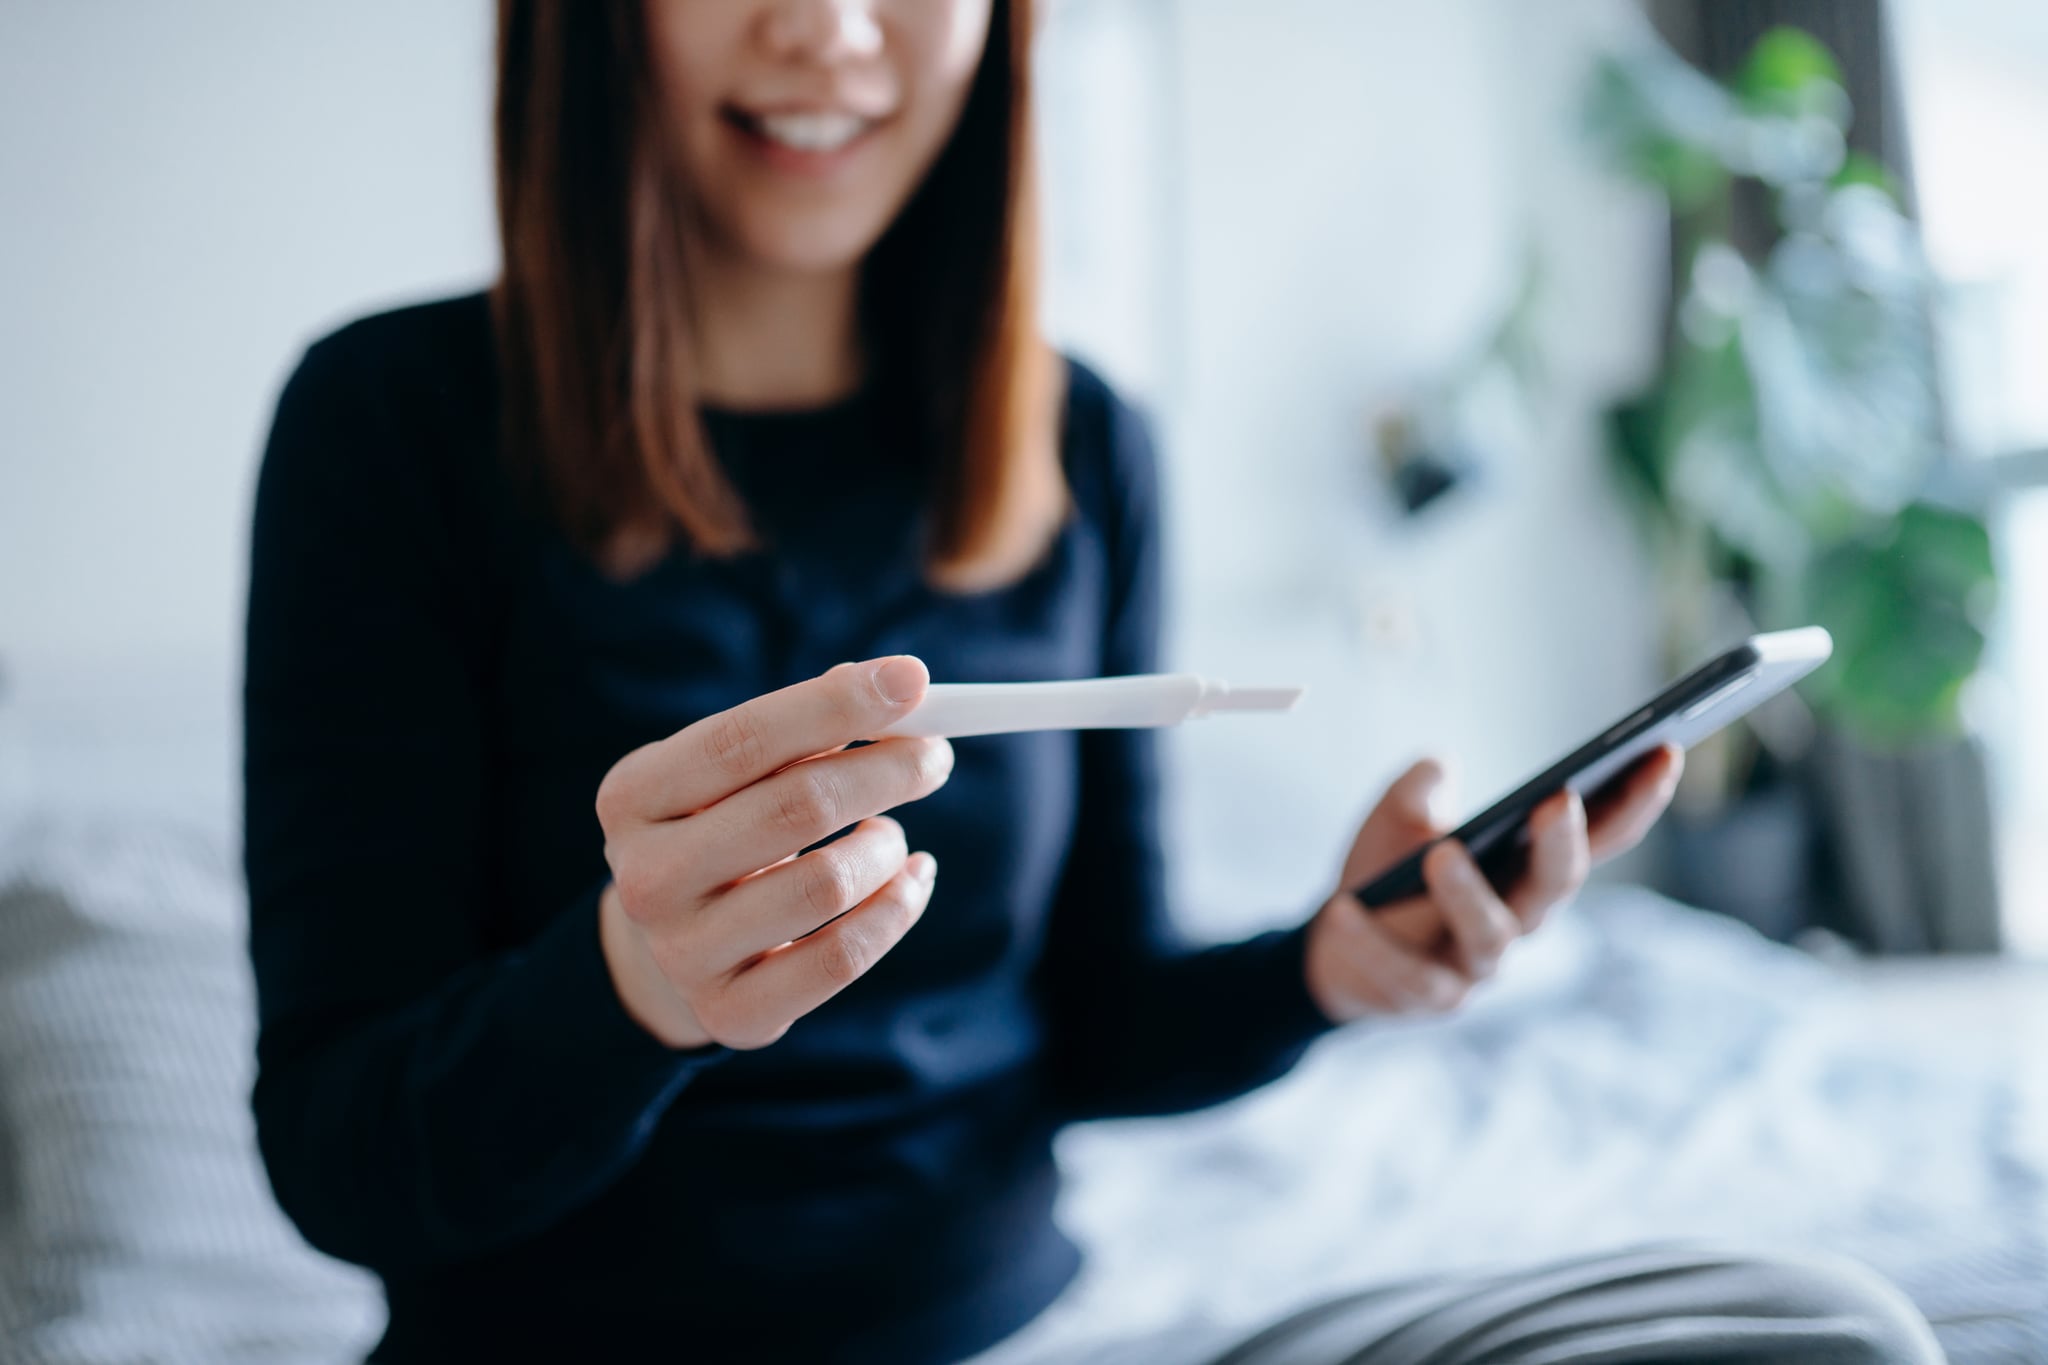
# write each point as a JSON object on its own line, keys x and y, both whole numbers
{"x": 825, "y": 132}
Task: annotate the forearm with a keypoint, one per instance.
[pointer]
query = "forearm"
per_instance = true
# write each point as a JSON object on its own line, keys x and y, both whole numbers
{"x": 1182, "y": 1031}
{"x": 504, "y": 1099}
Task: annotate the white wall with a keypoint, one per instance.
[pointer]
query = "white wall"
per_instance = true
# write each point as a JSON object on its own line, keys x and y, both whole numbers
{"x": 1267, "y": 218}
{"x": 194, "y": 191}
{"x": 1356, "y": 183}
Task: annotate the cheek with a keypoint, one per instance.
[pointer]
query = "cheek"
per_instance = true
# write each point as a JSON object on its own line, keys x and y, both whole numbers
{"x": 691, "y": 48}
{"x": 942, "y": 51}
{"x": 955, "y": 36}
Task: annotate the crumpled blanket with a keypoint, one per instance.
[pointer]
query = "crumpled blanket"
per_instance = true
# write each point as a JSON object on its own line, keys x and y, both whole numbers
{"x": 1641, "y": 1071}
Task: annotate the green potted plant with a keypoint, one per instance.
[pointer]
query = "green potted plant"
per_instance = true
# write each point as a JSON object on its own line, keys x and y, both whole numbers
{"x": 1786, "y": 461}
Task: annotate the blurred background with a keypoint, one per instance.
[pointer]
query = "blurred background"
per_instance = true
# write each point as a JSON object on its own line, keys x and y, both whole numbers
{"x": 1507, "y": 359}
{"x": 1410, "y": 292}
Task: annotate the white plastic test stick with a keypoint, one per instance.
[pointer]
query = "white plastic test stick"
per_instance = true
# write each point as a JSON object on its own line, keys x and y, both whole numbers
{"x": 1135, "y": 701}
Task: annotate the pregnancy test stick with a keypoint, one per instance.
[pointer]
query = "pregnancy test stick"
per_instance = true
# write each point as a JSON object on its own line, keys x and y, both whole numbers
{"x": 1136, "y": 701}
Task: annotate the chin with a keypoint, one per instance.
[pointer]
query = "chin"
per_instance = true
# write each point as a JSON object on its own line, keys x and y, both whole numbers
{"x": 806, "y": 245}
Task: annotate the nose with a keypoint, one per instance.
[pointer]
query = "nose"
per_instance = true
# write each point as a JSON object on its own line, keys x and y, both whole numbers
{"x": 823, "y": 31}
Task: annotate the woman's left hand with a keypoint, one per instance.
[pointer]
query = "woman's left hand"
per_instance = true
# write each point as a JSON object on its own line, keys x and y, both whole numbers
{"x": 1425, "y": 954}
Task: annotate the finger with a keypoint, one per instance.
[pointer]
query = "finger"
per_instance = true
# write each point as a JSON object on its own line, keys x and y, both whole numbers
{"x": 1415, "y": 924}
{"x": 1622, "y": 813}
{"x": 1659, "y": 765}
{"x": 1378, "y": 970}
{"x": 1481, "y": 925}
{"x": 827, "y": 753}
{"x": 794, "y": 897}
{"x": 796, "y": 978}
{"x": 805, "y": 803}
{"x": 1558, "y": 859}
{"x": 719, "y": 755}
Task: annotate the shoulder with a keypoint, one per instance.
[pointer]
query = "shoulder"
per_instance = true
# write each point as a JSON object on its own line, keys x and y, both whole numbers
{"x": 440, "y": 347}
{"x": 407, "y": 393}
{"x": 1106, "y": 446}
{"x": 386, "y": 426}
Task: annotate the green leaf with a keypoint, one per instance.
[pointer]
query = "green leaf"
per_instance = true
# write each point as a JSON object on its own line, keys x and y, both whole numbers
{"x": 1632, "y": 436}
{"x": 1689, "y": 174}
{"x": 1789, "y": 71}
{"x": 1658, "y": 120}
{"x": 1711, "y": 387}
{"x": 1861, "y": 168}
{"x": 1950, "y": 549}
{"x": 1904, "y": 607}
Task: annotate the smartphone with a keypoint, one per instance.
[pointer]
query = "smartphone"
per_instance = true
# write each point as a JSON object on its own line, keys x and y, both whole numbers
{"x": 1721, "y": 690}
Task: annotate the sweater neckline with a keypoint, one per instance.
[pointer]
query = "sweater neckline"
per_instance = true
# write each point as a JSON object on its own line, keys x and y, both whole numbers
{"x": 833, "y": 412}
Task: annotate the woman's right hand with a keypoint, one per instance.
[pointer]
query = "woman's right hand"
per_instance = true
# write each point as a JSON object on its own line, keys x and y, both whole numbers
{"x": 714, "y": 929}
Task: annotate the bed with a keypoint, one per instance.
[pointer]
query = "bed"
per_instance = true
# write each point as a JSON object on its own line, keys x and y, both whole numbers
{"x": 1640, "y": 1071}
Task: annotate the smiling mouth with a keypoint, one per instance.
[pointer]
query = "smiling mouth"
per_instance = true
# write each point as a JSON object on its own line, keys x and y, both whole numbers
{"x": 818, "y": 132}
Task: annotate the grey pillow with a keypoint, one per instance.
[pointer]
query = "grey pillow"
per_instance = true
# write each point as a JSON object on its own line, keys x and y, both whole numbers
{"x": 136, "y": 1224}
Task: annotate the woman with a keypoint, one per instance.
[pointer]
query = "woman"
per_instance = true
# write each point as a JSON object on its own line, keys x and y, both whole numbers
{"x": 578, "y": 1026}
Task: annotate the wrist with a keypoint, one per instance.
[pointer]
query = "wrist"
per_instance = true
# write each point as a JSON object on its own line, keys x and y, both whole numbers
{"x": 647, "y": 995}
{"x": 1315, "y": 957}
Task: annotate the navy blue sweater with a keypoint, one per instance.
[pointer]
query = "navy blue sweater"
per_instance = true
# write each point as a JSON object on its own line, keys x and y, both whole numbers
{"x": 450, "y": 1092}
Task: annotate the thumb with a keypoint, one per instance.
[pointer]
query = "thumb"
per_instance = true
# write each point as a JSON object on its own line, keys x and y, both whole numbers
{"x": 1407, "y": 817}
{"x": 1417, "y": 795}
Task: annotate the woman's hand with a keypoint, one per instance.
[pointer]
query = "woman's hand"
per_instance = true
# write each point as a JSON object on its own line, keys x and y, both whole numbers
{"x": 1426, "y": 954}
{"x": 714, "y": 929}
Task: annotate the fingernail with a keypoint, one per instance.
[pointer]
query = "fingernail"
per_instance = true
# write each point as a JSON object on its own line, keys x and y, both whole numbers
{"x": 1441, "y": 804}
{"x": 1561, "y": 812}
{"x": 924, "y": 868}
{"x": 900, "y": 678}
{"x": 1441, "y": 858}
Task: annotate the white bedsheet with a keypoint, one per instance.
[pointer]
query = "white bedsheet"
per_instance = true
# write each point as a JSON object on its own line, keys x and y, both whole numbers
{"x": 1640, "y": 1072}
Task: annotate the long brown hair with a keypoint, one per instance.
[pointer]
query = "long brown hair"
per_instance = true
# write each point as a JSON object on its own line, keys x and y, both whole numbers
{"x": 600, "y": 408}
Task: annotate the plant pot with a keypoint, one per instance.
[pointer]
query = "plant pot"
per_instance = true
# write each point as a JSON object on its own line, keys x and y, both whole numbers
{"x": 1910, "y": 863}
{"x": 1752, "y": 861}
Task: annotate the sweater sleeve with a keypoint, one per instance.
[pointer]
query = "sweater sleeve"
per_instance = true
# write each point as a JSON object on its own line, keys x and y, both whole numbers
{"x": 423, "y": 1094}
{"x": 1140, "y": 1021}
